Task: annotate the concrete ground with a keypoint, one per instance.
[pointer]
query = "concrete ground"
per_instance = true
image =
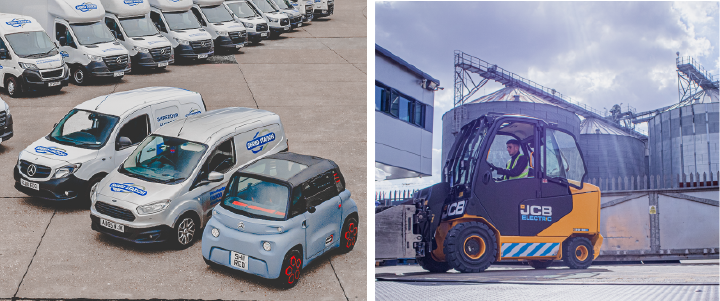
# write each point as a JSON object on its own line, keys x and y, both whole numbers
{"x": 688, "y": 280}
{"x": 314, "y": 78}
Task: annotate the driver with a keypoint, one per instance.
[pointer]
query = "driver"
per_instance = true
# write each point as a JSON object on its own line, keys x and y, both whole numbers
{"x": 517, "y": 167}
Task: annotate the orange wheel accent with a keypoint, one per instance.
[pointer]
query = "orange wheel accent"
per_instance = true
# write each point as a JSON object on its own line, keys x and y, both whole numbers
{"x": 581, "y": 253}
{"x": 474, "y": 247}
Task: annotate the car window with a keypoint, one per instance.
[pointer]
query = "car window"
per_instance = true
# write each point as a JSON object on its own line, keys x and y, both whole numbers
{"x": 276, "y": 168}
{"x": 297, "y": 203}
{"x": 114, "y": 28}
{"x": 320, "y": 189}
{"x": 155, "y": 17}
{"x": 221, "y": 159}
{"x": 136, "y": 129}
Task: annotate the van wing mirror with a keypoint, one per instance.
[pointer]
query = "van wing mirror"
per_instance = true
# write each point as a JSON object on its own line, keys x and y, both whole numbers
{"x": 215, "y": 176}
{"x": 123, "y": 142}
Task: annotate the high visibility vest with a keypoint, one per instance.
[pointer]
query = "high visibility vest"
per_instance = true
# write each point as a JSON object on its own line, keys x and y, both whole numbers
{"x": 511, "y": 164}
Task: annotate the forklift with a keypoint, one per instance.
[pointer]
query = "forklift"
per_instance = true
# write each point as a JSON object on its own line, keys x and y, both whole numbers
{"x": 474, "y": 218}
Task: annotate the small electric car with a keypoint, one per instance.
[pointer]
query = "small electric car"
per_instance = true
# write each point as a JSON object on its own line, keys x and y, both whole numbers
{"x": 278, "y": 214}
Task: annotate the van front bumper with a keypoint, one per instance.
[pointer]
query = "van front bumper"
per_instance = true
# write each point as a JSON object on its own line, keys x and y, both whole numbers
{"x": 155, "y": 234}
{"x": 324, "y": 12}
{"x": 53, "y": 189}
{"x": 187, "y": 52}
{"x": 255, "y": 36}
{"x": 100, "y": 69}
{"x": 228, "y": 43}
{"x": 146, "y": 60}
{"x": 6, "y": 131}
{"x": 31, "y": 80}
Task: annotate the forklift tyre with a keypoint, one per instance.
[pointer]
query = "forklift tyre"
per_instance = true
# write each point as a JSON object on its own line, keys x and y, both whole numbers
{"x": 540, "y": 264}
{"x": 578, "y": 253}
{"x": 470, "y": 247}
{"x": 432, "y": 266}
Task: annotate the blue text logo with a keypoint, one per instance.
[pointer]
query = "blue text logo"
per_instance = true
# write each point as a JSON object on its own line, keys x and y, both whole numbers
{"x": 18, "y": 22}
{"x": 258, "y": 143}
{"x": 133, "y": 2}
{"x": 50, "y": 150}
{"x": 216, "y": 195}
{"x": 128, "y": 188}
{"x": 536, "y": 213}
{"x": 86, "y": 7}
{"x": 64, "y": 54}
{"x": 193, "y": 112}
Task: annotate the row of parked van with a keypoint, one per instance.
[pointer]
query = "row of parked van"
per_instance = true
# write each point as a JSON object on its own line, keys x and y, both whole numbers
{"x": 108, "y": 38}
{"x": 157, "y": 167}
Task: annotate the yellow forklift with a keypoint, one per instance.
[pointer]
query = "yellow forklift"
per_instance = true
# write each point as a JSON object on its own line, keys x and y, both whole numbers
{"x": 474, "y": 217}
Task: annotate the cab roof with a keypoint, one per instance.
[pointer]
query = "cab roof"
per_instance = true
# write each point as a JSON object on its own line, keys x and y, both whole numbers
{"x": 214, "y": 125}
{"x": 122, "y": 103}
{"x": 12, "y": 23}
{"x": 315, "y": 167}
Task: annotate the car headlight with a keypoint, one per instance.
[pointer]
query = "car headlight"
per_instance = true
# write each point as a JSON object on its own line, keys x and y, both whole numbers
{"x": 267, "y": 246}
{"x": 95, "y": 58}
{"x": 215, "y": 232}
{"x": 7, "y": 110}
{"x": 153, "y": 208}
{"x": 182, "y": 42}
{"x": 66, "y": 170}
{"x": 28, "y": 66}
{"x": 221, "y": 33}
{"x": 249, "y": 25}
{"x": 141, "y": 49}
{"x": 273, "y": 20}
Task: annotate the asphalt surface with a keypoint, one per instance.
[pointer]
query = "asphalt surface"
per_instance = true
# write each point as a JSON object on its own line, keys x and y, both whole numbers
{"x": 314, "y": 78}
{"x": 688, "y": 280}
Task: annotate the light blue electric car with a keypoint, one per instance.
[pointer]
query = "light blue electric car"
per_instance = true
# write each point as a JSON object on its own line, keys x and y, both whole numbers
{"x": 278, "y": 214}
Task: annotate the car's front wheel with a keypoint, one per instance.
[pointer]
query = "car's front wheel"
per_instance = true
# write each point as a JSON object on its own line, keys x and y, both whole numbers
{"x": 291, "y": 269}
{"x": 185, "y": 231}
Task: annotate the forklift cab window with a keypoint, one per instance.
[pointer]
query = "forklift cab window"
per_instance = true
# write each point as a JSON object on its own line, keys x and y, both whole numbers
{"x": 465, "y": 152}
{"x": 563, "y": 157}
{"x": 499, "y": 155}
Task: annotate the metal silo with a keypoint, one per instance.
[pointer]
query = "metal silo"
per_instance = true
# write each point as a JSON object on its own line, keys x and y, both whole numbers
{"x": 610, "y": 152}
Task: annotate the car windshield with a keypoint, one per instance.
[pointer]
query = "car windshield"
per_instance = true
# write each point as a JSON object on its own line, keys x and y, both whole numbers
{"x": 464, "y": 153}
{"x": 34, "y": 44}
{"x": 181, "y": 20}
{"x": 257, "y": 198}
{"x": 92, "y": 33}
{"x": 217, "y": 14}
{"x": 138, "y": 27}
{"x": 163, "y": 159}
{"x": 276, "y": 168}
{"x": 242, "y": 10}
{"x": 283, "y": 4}
{"x": 265, "y": 6}
{"x": 84, "y": 129}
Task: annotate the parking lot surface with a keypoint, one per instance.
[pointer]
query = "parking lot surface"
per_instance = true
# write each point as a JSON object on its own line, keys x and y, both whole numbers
{"x": 314, "y": 78}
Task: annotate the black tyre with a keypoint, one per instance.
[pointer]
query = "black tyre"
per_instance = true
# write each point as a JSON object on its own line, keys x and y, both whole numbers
{"x": 185, "y": 232}
{"x": 578, "y": 253}
{"x": 431, "y": 265}
{"x": 79, "y": 76}
{"x": 540, "y": 264}
{"x": 13, "y": 87}
{"x": 470, "y": 247}
{"x": 291, "y": 269}
{"x": 349, "y": 234}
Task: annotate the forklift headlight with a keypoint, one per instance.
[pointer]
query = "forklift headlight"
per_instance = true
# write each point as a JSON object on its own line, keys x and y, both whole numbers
{"x": 266, "y": 246}
{"x": 28, "y": 66}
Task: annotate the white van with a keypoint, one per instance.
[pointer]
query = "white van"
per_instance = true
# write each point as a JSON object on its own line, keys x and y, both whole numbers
{"x": 129, "y": 21}
{"x": 78, "y": 27}
{"x": 29, "y": 60}
{"x": 6, "y": 123}
{"x": 95, "y": 137}
{"x": 323, "y": 8}
{"x": 227, "y": 33}
{"x": 277, "y": 21}
{"x": 296, "y": 18}
{"x": 175, "y": 22}
{"x": 245, "y": 12}
{"x": 167, "y": 188}
{"x": 305, "y": 7}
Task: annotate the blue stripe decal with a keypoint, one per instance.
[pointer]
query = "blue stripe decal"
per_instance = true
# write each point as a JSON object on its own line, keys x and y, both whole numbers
{"x": 522, "y": 249}
{"x": 537, "y": 248}
{"x": 549, "y": 249}
{"x": 508, "y": 249}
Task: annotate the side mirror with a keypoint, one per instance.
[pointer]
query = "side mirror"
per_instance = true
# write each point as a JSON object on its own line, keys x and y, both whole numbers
{"x": 311, "y": 209}
{"x": 4, "y": 54}
{"x": 62, "y": 41}
{"x": 215, "y": 176}
{"x": 123, "y": 142}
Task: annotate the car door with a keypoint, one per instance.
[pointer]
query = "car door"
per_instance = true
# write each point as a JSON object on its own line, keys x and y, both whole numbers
{"x": 5, "y": 59}
{"x": 222, "y": 159}
{"x": 323, "y": 214}
{"x": 68, "y": 44}
{"x": 135, "y": 127}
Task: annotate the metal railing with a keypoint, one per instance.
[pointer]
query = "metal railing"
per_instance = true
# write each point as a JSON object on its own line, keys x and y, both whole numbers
{"x": 691, "y": 61}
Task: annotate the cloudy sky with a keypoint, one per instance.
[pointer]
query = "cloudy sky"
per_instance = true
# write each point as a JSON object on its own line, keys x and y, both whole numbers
{"x": 598, "y": 53}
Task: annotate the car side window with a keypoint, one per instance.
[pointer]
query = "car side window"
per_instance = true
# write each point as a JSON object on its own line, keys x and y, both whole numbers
{"x": 4, "y": 52}
{"x": 155, "y": 17}
{"x": 62, "y": 34}
{"x": 136, "y": 130}
{"x": 320, "y": 189}
{"x": 198, "y": 16}
{"x": 114, "y": 28}
{"x": 222, "y": 158}
{"x": 297, "y": 203}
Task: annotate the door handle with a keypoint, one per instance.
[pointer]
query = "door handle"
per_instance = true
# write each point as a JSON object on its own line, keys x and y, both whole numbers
{"x": 486, "y": 177}
{"x": 304, "y": 224}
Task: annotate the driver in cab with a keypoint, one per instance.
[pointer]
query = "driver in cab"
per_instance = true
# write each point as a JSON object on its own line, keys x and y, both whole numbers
{"x": 517, "y": 167}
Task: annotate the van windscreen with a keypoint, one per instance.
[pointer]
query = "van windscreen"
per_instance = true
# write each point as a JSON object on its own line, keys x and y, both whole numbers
{"x": 138, "y": 27}
{"x": 217, "y": 14}
{"x": 256, "y": 198}
{"x": 34, "y": 44}
{"x": 164, "y": 159}
{"x": 92, "y": 33}
{"x": 242, "y": 9}
{"x": 84, "y": 129}
{"x": 181, "y": 20}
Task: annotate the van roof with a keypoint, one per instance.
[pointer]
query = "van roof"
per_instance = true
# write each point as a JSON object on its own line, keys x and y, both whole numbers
{"x": 213, "y": 125}
{"x": 315, "y": 167}
{"x": 122, "y": 103}
{"x": 12, "y": 23}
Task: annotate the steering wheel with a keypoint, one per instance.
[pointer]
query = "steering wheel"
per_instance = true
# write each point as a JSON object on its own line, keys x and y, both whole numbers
{"x": 161, "y": 159}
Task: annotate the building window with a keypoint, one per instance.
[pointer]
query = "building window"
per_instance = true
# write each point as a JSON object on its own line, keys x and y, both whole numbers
{"x": 401, "y": 106}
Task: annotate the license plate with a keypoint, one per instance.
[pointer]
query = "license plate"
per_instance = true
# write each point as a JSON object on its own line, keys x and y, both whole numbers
{"x": 53, "y": 84}
{"x": 287, "y": 27}
{"x": 29, "y": 184}
{"x": 121, "y": 73}
{"x": 238, "y": 260}
{"x": 264, "y": 34}
{"x": 299, "y": 24}
{"x": 239, "y": 46}
{"x": 202, "y": 56}
{"x": 111, "y": 225}
{"x": 164, "y": 64}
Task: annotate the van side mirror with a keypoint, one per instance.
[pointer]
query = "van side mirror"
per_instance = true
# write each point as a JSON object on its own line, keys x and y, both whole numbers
{"x": 62, "y": 40}
{"x": 311, "y": 209}
{"x": 123, "y": 142}
{"x": 215, "y": 176}
{"x": 4, "y": 54}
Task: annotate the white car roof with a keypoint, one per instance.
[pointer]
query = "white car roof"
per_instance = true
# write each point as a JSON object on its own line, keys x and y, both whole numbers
{"x": 122, "y": 103}
{"x": 12, "y": 23}
{"x": 212, "y": 126}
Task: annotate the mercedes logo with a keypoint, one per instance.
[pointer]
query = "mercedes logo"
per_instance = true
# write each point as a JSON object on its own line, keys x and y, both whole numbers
{"x": 162, "y": 51}
{"x": 119, "y": 60}
{"x": 32, "y": 169}
{"x": 241, "y": 225}
{"x": 204, "y": 44}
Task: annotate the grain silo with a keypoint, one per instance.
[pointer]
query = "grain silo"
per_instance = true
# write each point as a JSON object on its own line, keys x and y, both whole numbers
{"x": 610, "y": 152}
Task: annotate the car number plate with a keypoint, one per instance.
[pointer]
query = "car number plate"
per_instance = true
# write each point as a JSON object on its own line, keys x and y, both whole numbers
{"x": 238, "y": 260}
{"x": 110, "y": 225}
{"x": 163, "y": 64}
{"x": 264, "y": 34}
{"x": 299, "y": 24}
{"x": 287, "y": 27}
{"x": 29, "y": 184}
{"x": 239, "y": 46}
{"x": 202, "y": 56}
{"x": 121, "y": 73}
{"x": 53, "y": 84}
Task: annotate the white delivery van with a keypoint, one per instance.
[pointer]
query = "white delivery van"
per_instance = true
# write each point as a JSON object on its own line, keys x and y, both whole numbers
{"x": 277, "y": 21}
{"x": 78, "y": 27}
{"x": 175, "y": 22}
{"x": 6, "y": 123}
{"x": 323, "y": 8}
{"x": 250, "y": 16}
{"x": 166, "y": 189}
{"x": 227, "y": 33}
{"x": 129, "y": 21}
{"x": 305, "y": 7}
{"x": 29, "y": 60}
{"x": 296, "y": 18}
{"x": 95, "y": 137}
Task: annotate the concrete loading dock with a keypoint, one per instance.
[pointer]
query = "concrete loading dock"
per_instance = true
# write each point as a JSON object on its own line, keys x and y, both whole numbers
{"x": 49, "y": 251}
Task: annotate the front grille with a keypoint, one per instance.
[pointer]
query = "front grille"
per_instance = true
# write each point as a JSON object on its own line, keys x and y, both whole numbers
{"x": 261, "y": 27}
{"x": 237, "y": 36}
{"x": 297, "y": 19}
{"x": 203, "y": 46}
{"x": 116, "y": 62}
{"x": 3, "y": 118}
{"x": 284, "y": 22}
{"x": 161, "y": 54}
{"x": 115, "y": 211}
{"x": 52, "y": 74}
{"x": 40, "y": 170}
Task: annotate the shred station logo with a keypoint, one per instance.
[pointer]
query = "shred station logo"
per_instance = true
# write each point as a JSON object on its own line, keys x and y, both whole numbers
{"x": 133, "y": 2}
{"x": 165, "y": 119}
{"x": 128, "y": 188}
{"x": 64, "y": 54}
{"x": 18, "y": 22}
{"x": 46, "y": 61}
{"x": 50, "y": 150}
{"x": 193, "y": 112}
{"x": 536, "y": 213}
{"x": 216, "y": 195}
{"x": 86, "y": 7}
{"x": 258, "y": 143}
